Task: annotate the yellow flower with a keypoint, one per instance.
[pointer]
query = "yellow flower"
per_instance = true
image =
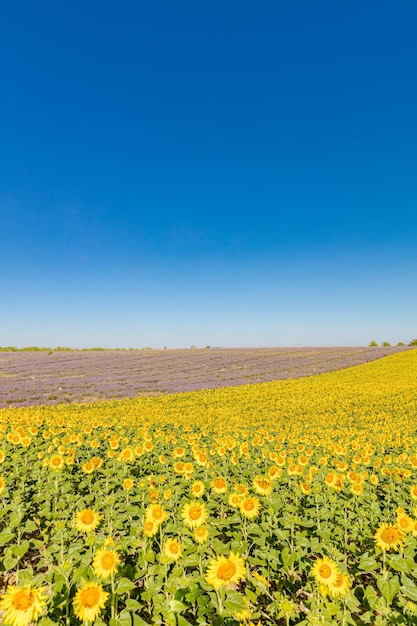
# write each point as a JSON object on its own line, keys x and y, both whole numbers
{"x": 235, "y": 499}
{"x": 155, "y": 513}
{"x": 88, "y": 467}
{"x": 150, "y": 528}
{"x": 325, "y": 571}
{"x": 261, "y": 579}
{"x": 225, "y": 570}
{"x": 405, "y": 523}
{"x": 194, "y": 514}
{"x": 86, "y": 520}
{"x": 219, "y": 485}
{"x": 56, "y": 462}
{"x": 245, "y": 614}
{"x": 413, "y": 492}
{"x": 340, "y": 586}
{"x": 250, "y": 507}
{"x": 89, "y": 601}
{"x": 201, "y": 534}
{"x": 172, "y": 549}
{"x": 105, "y": 563}
{"x": 388, "y": 536}
{"x": 2, "y": 484}
{"x": 128, "y": 484}
{"x": 262, "y": 485}
{"x": 22, "y": 605}
{"x": 198, "y": 489}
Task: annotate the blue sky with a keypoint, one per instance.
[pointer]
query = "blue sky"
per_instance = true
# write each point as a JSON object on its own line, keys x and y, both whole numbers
{"x": 223, "y": 173}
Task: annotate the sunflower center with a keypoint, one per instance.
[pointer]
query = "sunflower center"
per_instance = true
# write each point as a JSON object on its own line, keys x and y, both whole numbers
{"x": 87, "y": 517}
{"x": 219, "y": 483}
{"x": 90, "y": 597}
{"x": 248, "y": 505}
{"x": 325, "y": 571}
{"x": 195, "y": 512}
{"x": 226, "y": 570}
{"x": 107, "y": 561}
{"x": 173, "y": 548}
{"x": 389, "y": 535}
{"x": 157, "y": 514}
{"x": 23, "y": 600}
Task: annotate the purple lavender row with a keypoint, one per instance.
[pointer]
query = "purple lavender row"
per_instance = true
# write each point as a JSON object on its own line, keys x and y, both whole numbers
{"x": 39, "y": 378}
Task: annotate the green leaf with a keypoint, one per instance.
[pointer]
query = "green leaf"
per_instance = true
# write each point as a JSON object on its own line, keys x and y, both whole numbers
{"x": 124, "y": 585}
{"x": 400, "y": 564}
{"x": 234, "y": 602}
{"x": 368, "y": 563}
{"x": 6, "y": 536}
{"x": 388, "y": 588}
{"x": 408, "y": 588}
{"x": 133, "y": 605}
{"x": 176, "y": 606}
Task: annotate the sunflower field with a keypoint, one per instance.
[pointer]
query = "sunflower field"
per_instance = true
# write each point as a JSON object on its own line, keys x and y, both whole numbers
{"x": 289, "y": 502}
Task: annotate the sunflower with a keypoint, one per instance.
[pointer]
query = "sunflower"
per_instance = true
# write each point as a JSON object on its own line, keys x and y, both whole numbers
{"x": 155, "y": 513}
{"x": 88, "y": 467}
{"x": 194, "y": 514}
{"x": 89, "y": 600}
{"x": 2, "y": 456}
{"x": 56, "y": 462}
{"x": 250, "y": 507}
{"x": 389, "y": 536}
{"x": 198, "y": 489}
{"x": 150, "y": 528}
{"x": 201, "y": 534}
{"x": 22, "y": 605}
{"x": 2, "y": 484}
{"x": 340, "y": 586}
{"x": 225, "y": 570}
{"x": 356, "y": 489}
{"x": 405, "y": 523}
{"x": 413, "y": 492}
{"x": 325, "y": 571}
{"x": 172, "y": 549}
{"x": 262, "y": 485}
{"x": 86, "y": 520}
{"x": 235, "y": 499}
{"x": 105, "y": 563}
{"x": 219, "y": 485}
{"x": 128, "y": 484}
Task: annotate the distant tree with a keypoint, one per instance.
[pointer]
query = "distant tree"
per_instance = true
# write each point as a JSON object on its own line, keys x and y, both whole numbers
{"x": 373, "y": 344}
{"x": 413, "y": 342}
{"x": 400, "y": 343}
{"x": 385, "y": 344}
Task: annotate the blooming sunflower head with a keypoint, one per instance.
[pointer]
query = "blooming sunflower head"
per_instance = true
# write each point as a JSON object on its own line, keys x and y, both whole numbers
{"x": 250, "y": 507}
{"x": 194, "y": 514}
{"x": 86, "y": 520}
{"x": 198, "y": 489}
{"x": 389, "y": 536}
{"x": 22, "y": 605}
{"x": 201, "y": 534}
{"x": 325, "y": 571}
{"x": 225, "y": 570}
{"x": 105, "y": 563}
{"x": 172, "y": 549}
{"x": 340, "y": 586}
{"x": 262, "y": 485}
{"x": 219, "y": 485}
{"x": 89, "y": 601}
{"x": 155, "y": 513}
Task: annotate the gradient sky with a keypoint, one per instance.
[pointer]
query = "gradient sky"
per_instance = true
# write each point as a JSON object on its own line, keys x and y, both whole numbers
{"x": 209, "y": 173}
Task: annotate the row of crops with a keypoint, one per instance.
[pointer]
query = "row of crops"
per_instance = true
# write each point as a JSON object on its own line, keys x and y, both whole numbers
{"x": 278, "y": 503}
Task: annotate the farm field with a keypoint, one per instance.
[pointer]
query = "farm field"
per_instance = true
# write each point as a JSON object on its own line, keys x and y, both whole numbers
{"x": 285, "y": 502}
{"x": 33, "y": 378}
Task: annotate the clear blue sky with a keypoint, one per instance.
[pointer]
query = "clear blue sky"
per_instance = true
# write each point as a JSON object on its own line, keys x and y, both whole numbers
{"x": 223, "y": 173}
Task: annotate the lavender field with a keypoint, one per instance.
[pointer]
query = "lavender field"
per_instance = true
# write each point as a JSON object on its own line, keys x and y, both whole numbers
{"x": 39, "y": 378}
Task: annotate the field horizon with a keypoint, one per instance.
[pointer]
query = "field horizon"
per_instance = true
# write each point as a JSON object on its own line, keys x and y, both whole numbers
{"x": 68, "y": 376}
